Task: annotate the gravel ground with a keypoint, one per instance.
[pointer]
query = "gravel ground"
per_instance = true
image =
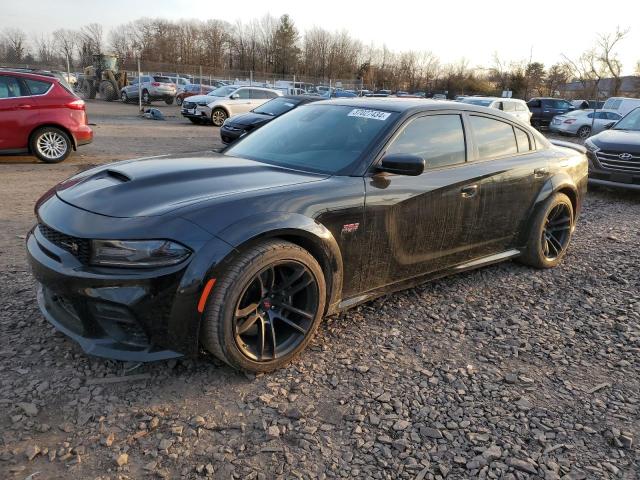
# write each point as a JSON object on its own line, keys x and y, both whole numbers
{"x": 505, "y": 372}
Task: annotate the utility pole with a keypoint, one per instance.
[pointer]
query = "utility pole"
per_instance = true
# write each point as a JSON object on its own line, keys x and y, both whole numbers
{"x": 139, "y": 87}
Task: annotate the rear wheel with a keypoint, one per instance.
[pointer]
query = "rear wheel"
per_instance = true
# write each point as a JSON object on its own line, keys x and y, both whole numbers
{"x": 218, "y": 116}
{"x": 550, "y": 233}
{"x": 265, "y": 308}
{"x": 178, "y": 101}
{"x": 168, "y": 100}
{"x": 107, "y": 92}
{"x": 584, "y": 131}
{"x": 89, "y": 90}
{"x": 50, "y": 144}
{"x": 146, "y": 98}
{"x": 124, "y": 97}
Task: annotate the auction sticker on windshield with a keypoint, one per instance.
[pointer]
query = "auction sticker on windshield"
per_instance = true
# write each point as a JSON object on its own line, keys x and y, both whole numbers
{"x": 373, "y": 114}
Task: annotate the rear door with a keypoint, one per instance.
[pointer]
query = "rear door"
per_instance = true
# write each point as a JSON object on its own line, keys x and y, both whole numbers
{"x": 18, "y": 113}
{"x": 509, "y": 173}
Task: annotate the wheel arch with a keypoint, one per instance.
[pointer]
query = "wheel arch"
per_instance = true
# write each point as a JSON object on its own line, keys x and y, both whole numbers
{"x": 74, "y": 143}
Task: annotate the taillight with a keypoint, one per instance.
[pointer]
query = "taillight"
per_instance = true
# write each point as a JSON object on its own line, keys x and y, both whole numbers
{"x": 76, "y": 104}
{"x": 570, "y": 121}
{"x": 155, "y": 84}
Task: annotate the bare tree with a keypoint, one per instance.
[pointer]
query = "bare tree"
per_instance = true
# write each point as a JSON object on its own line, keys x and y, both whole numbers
{"x": 16, "y": 41}
{"x": 608, "y": 56}
{"x": 45, "y": 49}
{"x": 65, "y": 42}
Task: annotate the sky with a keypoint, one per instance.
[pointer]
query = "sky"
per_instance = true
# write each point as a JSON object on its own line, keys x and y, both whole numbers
{"x": 473, "y": 30}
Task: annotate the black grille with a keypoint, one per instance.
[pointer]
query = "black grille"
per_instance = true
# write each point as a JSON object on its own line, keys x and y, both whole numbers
{"x": 188, "y": 105}
{"x": 621, "y": 161}
{"x": 78, "y": 247}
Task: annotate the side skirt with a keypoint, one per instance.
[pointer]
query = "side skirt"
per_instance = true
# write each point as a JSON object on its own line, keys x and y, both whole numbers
{"x": 347, "y": 303}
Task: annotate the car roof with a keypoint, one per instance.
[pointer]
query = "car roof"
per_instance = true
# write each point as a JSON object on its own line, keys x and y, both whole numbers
{"x": 251, "y": 86}
{"x": 303, "y": 98}
{"x": 502, "y": 99}
{"x": 18, "y": 72}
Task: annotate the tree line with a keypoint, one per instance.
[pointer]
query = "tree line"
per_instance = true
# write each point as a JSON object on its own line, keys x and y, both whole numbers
{"x": 275, "y": 47}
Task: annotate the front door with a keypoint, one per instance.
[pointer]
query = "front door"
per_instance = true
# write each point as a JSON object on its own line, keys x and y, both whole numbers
{"x": 18, "y": 113}
{"x": 415, "y": 225}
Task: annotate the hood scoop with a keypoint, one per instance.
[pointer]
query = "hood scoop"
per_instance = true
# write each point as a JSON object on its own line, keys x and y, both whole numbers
{"x": 123, "y": 177}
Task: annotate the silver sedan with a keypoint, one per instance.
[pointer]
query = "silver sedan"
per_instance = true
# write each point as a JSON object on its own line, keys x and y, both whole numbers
{"x": 582, "y": 123}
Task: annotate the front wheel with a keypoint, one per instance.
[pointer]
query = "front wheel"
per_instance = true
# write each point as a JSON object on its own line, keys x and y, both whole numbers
{"x": 146, "y": 98}
{"x": 50, "y": 144}
{"x": 584, "y": 131}
{"x": 218, "y": 116}
{"x": 168, "y": 100}
{"x": 550, "y": 233}
{"x": 178, "y": 101}
{"x": 124, "y": 97}
{"x": 265, "y": 308}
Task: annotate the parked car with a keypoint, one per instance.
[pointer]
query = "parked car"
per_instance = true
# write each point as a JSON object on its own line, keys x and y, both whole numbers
{"x": 587, "y": 104}
{"x": 40, "y": 116}
{"x": 439, "y": 96}
{"x": 191, "y": 90}
{"x": 153, "y": 87}
{"x": 614, "y": 154}
{"x": 180, "y": 83}
{"x": 240, "y": 100}
{"x": 579, "y": 122}
{"x": 242, "y": 253}
{"x": 240, "y": 125}
{"x": 192, "y": 108}
{"x": 517, "y": 108}
{"x": 335, "y": 93}
{"x": 621, "y": 105}
{"x": 543, "y": 109}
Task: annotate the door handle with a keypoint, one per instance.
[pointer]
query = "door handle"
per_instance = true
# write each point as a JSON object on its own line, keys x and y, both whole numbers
{"x": 24, "y": 106}
{"x": 469, "y": 191}
{"x": 540, "y": 172}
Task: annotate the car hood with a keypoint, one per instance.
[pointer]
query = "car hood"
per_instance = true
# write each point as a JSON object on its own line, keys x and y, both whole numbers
{"x": 202, "y": 98}
{"x": 618, "y": 140}
{"x": 250, "y": 119}
{"x": 158, "y": 185}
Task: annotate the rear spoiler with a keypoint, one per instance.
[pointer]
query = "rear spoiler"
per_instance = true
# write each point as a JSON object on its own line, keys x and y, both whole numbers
{"x": 571, "y": 145}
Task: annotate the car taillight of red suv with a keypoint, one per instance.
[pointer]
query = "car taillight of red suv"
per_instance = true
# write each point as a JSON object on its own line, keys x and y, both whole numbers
{"x": 41, "y": 117}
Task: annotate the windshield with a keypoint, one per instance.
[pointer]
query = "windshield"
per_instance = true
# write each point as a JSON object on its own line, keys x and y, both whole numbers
{"x": 317, "y": 138}
{"x": 222, "y": 91}
{"x": 276, "y": 107}
{"x": 630, "y": 122}
{"x": 476, "y": 101}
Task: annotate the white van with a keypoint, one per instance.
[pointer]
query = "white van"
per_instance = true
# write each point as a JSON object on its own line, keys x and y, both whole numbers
{"x": 621, "y": 105}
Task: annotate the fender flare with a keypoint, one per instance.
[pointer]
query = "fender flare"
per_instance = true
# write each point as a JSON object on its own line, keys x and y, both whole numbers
{"x": 298, "y": 229}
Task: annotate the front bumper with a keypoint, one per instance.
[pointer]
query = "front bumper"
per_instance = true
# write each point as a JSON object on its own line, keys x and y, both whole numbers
{"x": 611, "y": 178}
{"x": 122, "y": 317}
{"x": 83, "y": 135}
{"x": 229, "y": 135}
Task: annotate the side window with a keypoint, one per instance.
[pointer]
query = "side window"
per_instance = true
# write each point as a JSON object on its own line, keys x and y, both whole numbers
{"x": 601, "y": 115}
{"x": 10, "y": 87}
{"x": 37, "y": 87}
{"x": 243, "y": 93}
{"x": 439, "y": 139}
{"x": 523, "y": 140}
{"x": 613, "y": 116}
{"x": 534, "y": 104}
{"x": 133, "y": 82}
{"x": 508, "y": 106}
{"x": 493, "y": 137}
{"x": 270, "y": 94}
{"x": 499, "y": 105}
{"x": 521, "y": 107}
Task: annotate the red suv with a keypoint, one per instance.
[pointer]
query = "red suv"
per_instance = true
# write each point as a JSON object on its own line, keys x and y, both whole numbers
{"x": 39, "y": 115}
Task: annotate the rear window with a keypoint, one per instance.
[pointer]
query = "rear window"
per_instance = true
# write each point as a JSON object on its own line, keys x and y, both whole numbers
{"x": 493, "y": 137}
{"x": 162, "y": 79}
{"x": 37, "y": 87}
{"x": 613, "y": 104}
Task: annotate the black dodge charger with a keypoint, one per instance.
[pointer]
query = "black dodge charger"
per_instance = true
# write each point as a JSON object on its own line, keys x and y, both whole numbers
{"x": 242, "y": 254}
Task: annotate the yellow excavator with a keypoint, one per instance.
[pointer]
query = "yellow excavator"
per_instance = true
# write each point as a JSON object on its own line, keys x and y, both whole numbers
{"x": 103, "y": 78}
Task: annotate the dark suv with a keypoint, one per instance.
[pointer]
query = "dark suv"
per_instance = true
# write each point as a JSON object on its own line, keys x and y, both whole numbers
{"x": 543, "y": 110}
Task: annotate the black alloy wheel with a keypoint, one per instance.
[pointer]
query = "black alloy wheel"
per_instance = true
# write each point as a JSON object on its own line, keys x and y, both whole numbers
{"x": 584, "y": 131}
{"x": 549, "y": 233}
{"x": 556, "y": 232}
{"x": 276, "y": 311}
{"x": 265, "y": 306}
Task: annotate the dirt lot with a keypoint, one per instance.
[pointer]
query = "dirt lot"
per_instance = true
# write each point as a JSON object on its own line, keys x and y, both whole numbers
{"x": 505, "y": 372}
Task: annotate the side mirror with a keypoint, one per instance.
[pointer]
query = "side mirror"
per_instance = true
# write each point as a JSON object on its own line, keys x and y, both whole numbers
{"x": 235, "y": 96}
{"x": 609, "y": 125}
{"x": 399, "y": 164}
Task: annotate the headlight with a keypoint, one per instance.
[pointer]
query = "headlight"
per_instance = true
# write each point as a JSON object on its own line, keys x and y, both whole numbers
{"x": 137, "y": 253}
{"x": 202, "y": 104}
{"x": 589, "y": 145}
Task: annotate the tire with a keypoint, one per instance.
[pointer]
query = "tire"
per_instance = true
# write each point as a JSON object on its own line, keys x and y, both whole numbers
{"x": 107, "y": 92}
{"x": 50, "y": 144}
{"x": 146, "y": 98}
{"x": 218, "y": 116}
{"x": 584, "y": 131}
{"x": 195, "y": 121}
{"x": 536, "y": 124}
{"x": 179, "y": 101}
{"x": 124, "y": 97}
{"x": 168, "y": 100}
{"x": 89, "y": 90}
{"x": 541, "y": 251}
{"x": 236, "y": 339}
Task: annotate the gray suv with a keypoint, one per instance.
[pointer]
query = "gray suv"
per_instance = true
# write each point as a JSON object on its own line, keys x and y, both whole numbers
{"x": 153, "y": 87}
